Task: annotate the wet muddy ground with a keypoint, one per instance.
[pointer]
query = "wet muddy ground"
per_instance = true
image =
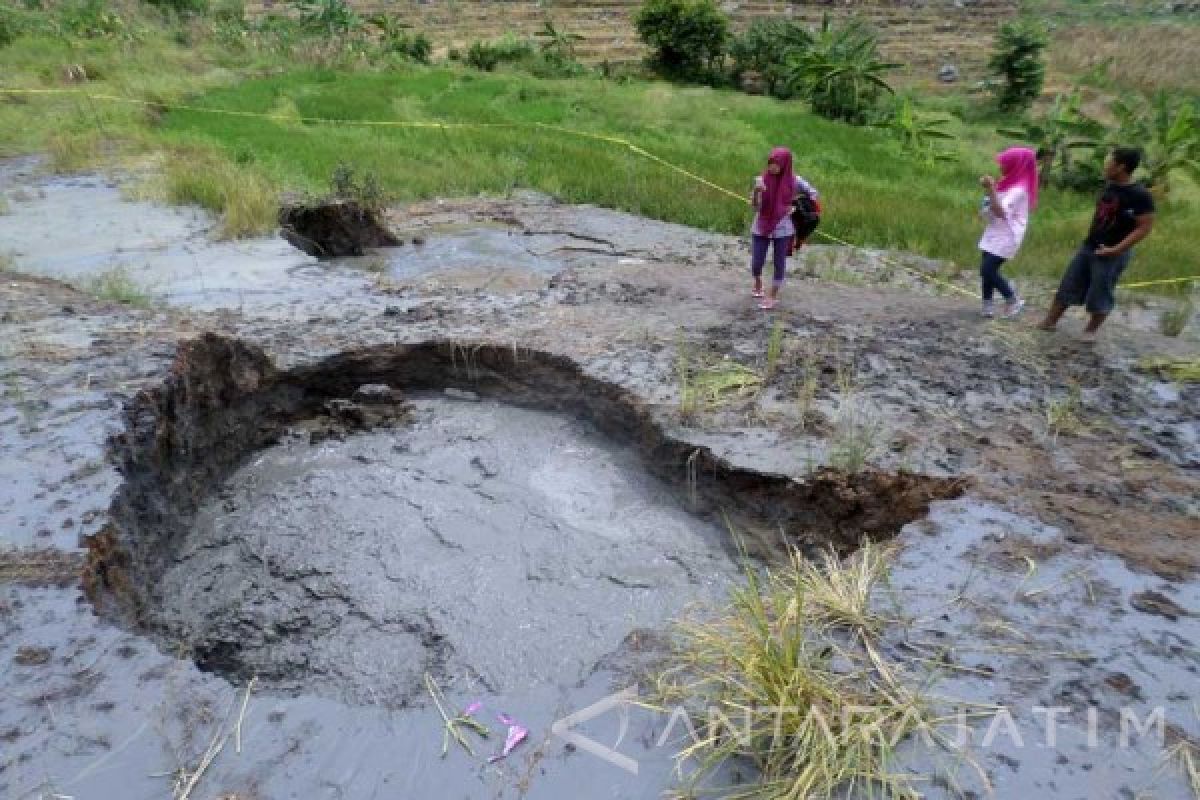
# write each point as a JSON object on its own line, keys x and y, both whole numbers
{"x": 534, "y": 502}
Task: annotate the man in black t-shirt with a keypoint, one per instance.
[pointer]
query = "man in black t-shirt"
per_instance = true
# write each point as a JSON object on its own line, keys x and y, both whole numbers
{"x": 1124, "y": 216}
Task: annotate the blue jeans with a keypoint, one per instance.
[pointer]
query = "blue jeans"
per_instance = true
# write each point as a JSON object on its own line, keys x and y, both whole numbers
{"x": 1091, "y": 281}
{"x": 989, "y": 271}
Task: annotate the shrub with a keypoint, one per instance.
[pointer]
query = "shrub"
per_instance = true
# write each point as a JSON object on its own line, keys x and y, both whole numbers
{"x": 181, "y": 6}
{"x": 10, "y": 27}
{"x": 487, "y": 56}
{"x": 419, "y": 48}
{"x": 840, "y": 74}
{"x": 557, "y": 45}
{"x": 765, "y": 48}
{"x": 394, "y": 38}
{"x": 1018, "y": 64}
{"x": 552, "y": 65}
{"x": 688, "y": 37}
{"x": 482, "y": 56}
{"x": 919, "y": 133}
{"x": 329, "y": 17}
{"x": 91, "y": 19}
{"x": 346, "y": 184}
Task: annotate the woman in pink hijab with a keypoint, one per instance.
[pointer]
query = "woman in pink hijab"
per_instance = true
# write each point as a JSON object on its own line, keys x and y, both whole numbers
{"x": 774, "y": 191}
{"x": 1006, "y": 211}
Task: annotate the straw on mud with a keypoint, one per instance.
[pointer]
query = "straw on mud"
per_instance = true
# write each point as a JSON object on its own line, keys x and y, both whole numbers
{"x": 210, "y": 754}
{"x": 793, "y": 659}
{"x": 242, "y": 715}
{"x": 714, "y": 382}
{"x": 1065, "y": 580}
{"x": 1187, "y": 757}
{"x": 451, "y": 724}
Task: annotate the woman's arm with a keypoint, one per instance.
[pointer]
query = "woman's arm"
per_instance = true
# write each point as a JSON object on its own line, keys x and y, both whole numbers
{"x": 989, "y": 186}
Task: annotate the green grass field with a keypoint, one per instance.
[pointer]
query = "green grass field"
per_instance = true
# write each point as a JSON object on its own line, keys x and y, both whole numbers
{"x": 875, "y": 194}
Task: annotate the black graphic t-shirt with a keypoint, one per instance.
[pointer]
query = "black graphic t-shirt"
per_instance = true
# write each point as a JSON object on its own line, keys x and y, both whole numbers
{"x": 1116, "y": 211}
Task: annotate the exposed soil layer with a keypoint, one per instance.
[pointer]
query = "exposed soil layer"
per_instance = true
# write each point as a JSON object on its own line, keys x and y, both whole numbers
{"x": 334, "y": 229}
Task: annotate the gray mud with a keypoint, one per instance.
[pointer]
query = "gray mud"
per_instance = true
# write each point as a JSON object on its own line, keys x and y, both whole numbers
{"x": 497, "y": 549}
{"x": 79, "y": 228}
{"x": 1064, "y": 576}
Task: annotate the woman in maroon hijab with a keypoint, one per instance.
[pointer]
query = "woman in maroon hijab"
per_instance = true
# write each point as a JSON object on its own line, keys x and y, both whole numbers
{"x": 774, "y": 191}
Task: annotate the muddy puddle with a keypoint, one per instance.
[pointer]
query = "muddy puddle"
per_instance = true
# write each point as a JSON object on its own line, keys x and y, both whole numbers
{"x": 457, "y": 249}
{"x": 86, "y": 231}
{"x": 82, "y": 230}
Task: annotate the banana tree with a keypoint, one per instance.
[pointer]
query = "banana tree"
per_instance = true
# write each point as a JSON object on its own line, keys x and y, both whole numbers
{"x": 840, "y": 73}
{"x": 1167, "y": 130}
{"x": 558, "y": 43}
{"x": 919, "y": 133}
{"x": 1059, "y": 134}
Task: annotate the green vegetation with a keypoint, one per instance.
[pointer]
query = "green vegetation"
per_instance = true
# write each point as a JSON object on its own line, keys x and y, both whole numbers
{"x": 840, "y": 71}
{"x": 866, "y": 177}
{"x": 762, "y": 49}
{"x": 688, "y": 37}
{"x": 118, "y": 286}
{"x": 909, "y": 182}
{"x": 246, "y": 202}
{"x": 1018, "y": 64}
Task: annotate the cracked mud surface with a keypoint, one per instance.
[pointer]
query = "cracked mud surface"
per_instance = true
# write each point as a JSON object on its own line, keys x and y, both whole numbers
{"x": 1106, "y": 512}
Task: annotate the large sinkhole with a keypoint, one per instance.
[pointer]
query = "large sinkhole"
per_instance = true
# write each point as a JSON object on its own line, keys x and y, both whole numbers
{"x": 491, "y": 516}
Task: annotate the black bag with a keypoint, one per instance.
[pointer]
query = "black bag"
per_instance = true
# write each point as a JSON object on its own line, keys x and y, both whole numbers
{"x": 805, "y": 216}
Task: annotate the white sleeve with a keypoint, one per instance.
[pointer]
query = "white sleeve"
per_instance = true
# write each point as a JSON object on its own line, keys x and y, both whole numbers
{"x": 806, "y": 187}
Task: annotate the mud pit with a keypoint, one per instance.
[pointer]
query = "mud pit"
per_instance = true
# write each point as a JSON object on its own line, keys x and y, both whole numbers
{"x": 447, "y": 541}
{"x": 497, "y": 549}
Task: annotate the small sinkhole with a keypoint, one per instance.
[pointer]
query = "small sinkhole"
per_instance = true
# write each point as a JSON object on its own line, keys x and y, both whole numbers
{"x": 495, "y": 518}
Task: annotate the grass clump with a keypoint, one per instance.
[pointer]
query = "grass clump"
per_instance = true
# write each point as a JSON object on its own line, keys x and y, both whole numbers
{"x": 1183, "y": 370}
{"x": 74, "y": 152}
{"x": 247, "y": 203}
{"x": 718, "y": 382}
{"x": 788, "y": 677}
{"x": 774, "y": 348}
{"x": 118, "y": 286}
{"x": 1064, "y": 414}
{"x": 708, "y": 386}
{"x": 858, "y": 429}
{"x": 807, "y": 393}
{"x": 1175, "y": 321}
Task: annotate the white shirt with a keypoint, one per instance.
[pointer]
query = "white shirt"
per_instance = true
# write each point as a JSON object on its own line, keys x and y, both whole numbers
{"x": 1003, "y": 236}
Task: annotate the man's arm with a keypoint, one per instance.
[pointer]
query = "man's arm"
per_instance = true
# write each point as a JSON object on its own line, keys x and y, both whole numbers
{"x": 1145, "y": 223}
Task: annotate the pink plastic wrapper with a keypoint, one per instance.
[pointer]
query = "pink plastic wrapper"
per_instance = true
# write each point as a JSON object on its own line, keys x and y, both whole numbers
{"x": 516, "y": 735}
